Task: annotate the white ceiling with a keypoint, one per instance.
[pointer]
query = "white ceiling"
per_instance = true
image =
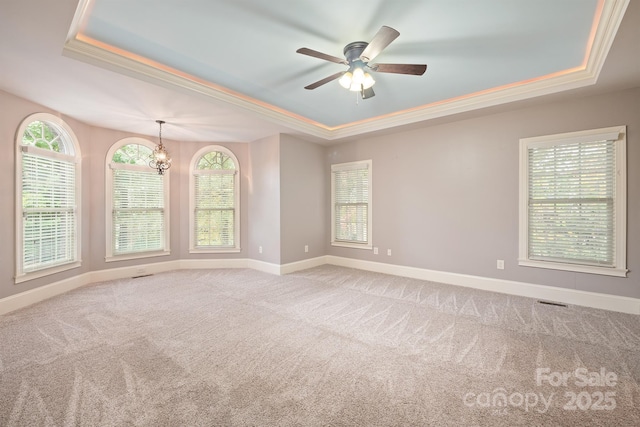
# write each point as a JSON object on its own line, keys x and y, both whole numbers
{"x": 218, "y": 70}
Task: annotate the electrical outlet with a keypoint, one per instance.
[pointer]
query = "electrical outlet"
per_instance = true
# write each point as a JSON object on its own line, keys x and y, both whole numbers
{"x": 260, "y": 249}
{"x": 389, "y": 252}
{"x": 375, "y": 251}
{"x": 500, "y": 264}
{"x": 306, "y": 248}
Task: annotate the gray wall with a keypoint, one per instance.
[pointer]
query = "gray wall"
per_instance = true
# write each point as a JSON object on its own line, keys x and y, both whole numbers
{"x": 287, "y": 199}
{"x": 445, "y": 197}
{"x": 264, "y": 199}
{"x": 303, "y": 203}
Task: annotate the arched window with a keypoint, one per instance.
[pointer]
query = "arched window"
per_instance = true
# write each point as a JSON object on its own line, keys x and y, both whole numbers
{"x": 137, "y": 202}
{"x": 48, "y": 197}
{"x": 215, "y": 201}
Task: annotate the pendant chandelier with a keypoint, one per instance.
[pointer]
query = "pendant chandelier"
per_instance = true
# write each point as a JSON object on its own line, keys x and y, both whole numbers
{"x": 160, "y": 159}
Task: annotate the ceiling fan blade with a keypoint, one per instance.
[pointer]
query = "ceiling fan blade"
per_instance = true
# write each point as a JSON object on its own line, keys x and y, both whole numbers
{"x": 368, "y": 93}
{"x": 325, "y": 80}
{"x": 320, "y": 55}
{"x": 413, "y": 69}
{"x": 382, "y": 39}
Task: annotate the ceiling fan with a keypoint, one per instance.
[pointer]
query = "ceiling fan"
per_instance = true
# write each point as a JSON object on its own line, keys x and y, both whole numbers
{"x": 357, "y": 57}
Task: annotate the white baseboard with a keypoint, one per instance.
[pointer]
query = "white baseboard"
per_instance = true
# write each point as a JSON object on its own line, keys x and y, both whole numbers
{"x": 26, "y": 298}
{"x": 133, "y": 271}
{"x": 530, "y": 290}
{"x": 286, "y": 268}
{"x": 263, "y": 266}
{"x": 303, "y": 265}
{"x": 567, "y": 296}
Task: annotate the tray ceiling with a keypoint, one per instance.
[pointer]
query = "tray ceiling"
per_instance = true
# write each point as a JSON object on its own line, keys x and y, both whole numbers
{"x": 243, "y": 52}
{"x": 227, "y": 70}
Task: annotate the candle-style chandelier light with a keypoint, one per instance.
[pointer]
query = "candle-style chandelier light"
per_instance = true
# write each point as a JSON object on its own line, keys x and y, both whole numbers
{"x": 160, "y": 159}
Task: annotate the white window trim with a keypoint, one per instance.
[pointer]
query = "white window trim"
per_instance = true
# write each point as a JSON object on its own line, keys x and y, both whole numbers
{"x": 347, "y": 166}
{"x": 616, "y": 134}
{"x": 20, "y": 275}
{"x": 110, "y": 257}
{"x": 192, "y": 203}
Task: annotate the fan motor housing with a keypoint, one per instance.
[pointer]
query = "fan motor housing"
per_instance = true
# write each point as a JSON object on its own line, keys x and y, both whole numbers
{"x": 353, "y": 50}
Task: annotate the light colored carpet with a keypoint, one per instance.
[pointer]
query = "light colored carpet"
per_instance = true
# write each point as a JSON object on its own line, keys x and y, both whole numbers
{"x": 325, "y": 346}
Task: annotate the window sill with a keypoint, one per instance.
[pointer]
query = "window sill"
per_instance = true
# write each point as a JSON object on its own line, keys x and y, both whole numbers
{"x": 214, "y": 250}
{"x": 140, "y": 255}
{"x": 367, "y": 246}
{"x": 589, "y": 269}
{"x": 25, "y": 277}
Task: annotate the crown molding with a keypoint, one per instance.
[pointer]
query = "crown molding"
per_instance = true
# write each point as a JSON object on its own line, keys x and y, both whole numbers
{"x": 606, "y": 23}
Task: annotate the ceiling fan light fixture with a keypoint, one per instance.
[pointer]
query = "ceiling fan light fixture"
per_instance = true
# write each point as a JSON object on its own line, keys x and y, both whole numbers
{"x": 355, "y": 87}
{"x": 345, "y": 80}
{"x": 368, "y": 81}
{"x": 358, "y": 76}
{"x": 357, "y": 80}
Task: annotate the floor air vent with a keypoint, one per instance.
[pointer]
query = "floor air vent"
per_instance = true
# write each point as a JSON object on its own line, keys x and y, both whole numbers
{"x": 556, "y": 304}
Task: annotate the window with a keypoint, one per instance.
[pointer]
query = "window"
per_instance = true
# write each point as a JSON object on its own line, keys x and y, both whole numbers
{"x": 137, "y": 202}
{"x": 215, "y": 201}
{"x": 351, "y": 204}
{"x": 573, "y": 201}
{"x": 48, "y": 194}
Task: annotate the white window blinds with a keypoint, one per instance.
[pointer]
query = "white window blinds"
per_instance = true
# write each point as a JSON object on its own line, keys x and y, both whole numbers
{"x": 138, "y": 211}
{"x": 351, "y": 193}
{"x": 49, "y": 220}
{"x": 573, "y": 201}
{"x": 214, "y": 201}
{"x": 215, "y": 211}
{"x": 571, "y": 209}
